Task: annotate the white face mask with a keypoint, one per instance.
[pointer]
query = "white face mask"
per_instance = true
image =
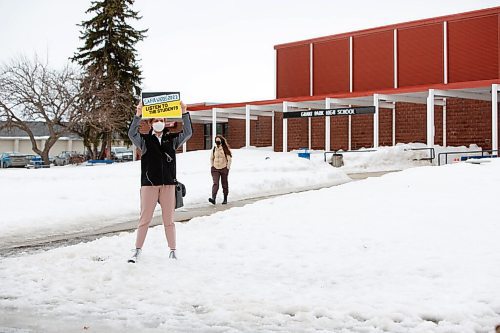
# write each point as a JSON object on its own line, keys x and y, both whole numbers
{"x": 158, "y": 126}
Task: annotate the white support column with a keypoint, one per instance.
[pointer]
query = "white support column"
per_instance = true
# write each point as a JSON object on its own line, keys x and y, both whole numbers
{"x": 272, "y": 131}
{"x": 494, "y": 117}
{"x": 247, "y": 126}
{"x": 444, "y": 123}
{"x": 445, "y": 52}
{"x": 16, "y": 145}
{"x": 394, "y": 125}
{"x": 327, "y": 126}
{"x": 184, "y": 147}
{"x": 351, "y": 88}
{"x": 70, "y": 145}
{"x": 214, "y": 124}
{"x": 42, "y": 143}
{"x": 349, "y": 132}
{"x": 395, "y": 58}
{"x": 309, "y": 138}
{"x": 285, "y": 128}
{"x": 351, "y": 64}
{"x": 430, "y": 118}
{"x": 311, "y": 69}
{"x": 375, "y": 120}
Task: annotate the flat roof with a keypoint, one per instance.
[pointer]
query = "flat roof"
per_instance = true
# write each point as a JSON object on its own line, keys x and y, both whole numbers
{"x": 469, "y": 86}
{"x": 438, "y": 19}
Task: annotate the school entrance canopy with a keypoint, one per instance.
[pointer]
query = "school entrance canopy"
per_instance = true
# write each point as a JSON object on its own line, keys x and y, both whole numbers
{"x": 430, "y": 95}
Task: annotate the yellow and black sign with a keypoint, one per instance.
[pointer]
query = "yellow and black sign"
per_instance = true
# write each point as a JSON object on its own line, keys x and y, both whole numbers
{"x": 161, "y": 105}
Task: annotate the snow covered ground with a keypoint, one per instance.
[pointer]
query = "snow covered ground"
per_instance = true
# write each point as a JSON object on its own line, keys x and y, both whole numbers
{"x": 399, "y": 157}
{"x": 59, "y": 200}
{"x": 414, "y": 251}
{"x": 78, "y": 198}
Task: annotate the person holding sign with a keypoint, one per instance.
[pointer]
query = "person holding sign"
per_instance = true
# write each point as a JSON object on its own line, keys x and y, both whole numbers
{"x": 220, "y": 160}
{"x": 158, "y": 174}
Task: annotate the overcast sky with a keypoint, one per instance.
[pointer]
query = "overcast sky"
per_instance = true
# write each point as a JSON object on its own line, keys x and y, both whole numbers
{"x": 210, "y": 51}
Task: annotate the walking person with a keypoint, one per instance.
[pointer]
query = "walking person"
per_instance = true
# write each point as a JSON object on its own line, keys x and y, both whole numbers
{"x": 220, "y": 160}
{"x": 158, "y": 174}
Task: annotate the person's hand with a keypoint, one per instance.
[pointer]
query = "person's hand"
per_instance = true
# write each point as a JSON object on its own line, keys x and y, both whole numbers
{"x": 183, "y": 107}
{"x": 144, "y": 127}
{"x": 138, "y": 112}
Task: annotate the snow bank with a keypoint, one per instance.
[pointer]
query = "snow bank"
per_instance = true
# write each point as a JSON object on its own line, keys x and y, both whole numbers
{"x": 399, "y": 157}
{"x": 407, "y": 252}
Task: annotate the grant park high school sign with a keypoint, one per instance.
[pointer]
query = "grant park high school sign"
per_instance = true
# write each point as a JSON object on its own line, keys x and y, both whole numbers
{"x": 330, "y": 112}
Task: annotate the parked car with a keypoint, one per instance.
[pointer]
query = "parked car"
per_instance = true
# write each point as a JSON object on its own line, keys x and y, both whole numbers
{"x": 121, "y": 154}
{"x": 12, "y": 160}
{"x": 36, "y": 162}
{"x": 68, "y": 157}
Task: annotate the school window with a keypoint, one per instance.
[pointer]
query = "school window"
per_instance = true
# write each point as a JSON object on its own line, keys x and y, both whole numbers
{"x": 222, "y": 129}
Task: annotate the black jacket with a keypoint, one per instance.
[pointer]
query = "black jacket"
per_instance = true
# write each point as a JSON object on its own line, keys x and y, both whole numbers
{"x": 158, "y": 161}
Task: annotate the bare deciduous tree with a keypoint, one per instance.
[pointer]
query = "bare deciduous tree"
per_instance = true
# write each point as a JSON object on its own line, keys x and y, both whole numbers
{"x": 31, "y": 91}
{"x": 104, "y": 109}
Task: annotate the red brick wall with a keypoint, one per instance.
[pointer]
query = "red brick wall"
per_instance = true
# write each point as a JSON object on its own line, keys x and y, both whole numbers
{"x": 318, "y": 133}
{"x": 263, "y": 132}
{"x": 339, "y": 132}
{"x": 438, "y": 125}
{"x": 362, "y": 131}
{"x": 468, "y": 122}
{"x": 278, "y": 131}
{"x": 384, "y": 127}
{"x": 236, "y": 133}
{"x": 197, "y": 141}
{"x": 260, "y": 132}
{"x": 411, "y": 123}
{"x": 298, "y": 133}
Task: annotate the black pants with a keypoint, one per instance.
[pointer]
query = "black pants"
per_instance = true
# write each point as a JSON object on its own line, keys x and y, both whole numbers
{"x": 216, "y": 175}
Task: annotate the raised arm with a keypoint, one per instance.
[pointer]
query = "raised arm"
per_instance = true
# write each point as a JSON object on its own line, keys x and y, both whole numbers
{"x": 187, "y": 130}
{"x": 133, "y": 132}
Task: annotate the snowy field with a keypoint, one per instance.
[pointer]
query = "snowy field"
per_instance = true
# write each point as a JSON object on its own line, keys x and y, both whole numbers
{"x": 414, "y": 251}
{"x": 59, "y": 200}
{"x": 78, "y": 198}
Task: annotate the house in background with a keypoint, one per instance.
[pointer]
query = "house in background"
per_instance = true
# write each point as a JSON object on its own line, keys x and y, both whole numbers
{"x": 18, "y": 141}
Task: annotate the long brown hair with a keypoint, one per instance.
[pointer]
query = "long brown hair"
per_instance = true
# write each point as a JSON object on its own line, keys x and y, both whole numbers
{"x": 225, "y": 146}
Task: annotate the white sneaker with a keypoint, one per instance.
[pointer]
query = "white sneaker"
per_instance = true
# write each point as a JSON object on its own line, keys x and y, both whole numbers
{"x": 172, "y": 255}
{"x": 135, "y": 256}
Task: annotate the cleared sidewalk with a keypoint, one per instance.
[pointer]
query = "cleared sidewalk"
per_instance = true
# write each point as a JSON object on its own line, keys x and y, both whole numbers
{"x": 11, "y": 247}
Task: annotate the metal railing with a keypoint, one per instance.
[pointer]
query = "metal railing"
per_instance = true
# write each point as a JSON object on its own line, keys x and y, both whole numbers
{"x": 432, "y": 154}
{"x": 466, "y": 152}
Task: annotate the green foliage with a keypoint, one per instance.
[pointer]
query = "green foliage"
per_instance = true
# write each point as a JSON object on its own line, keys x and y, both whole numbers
{"x": 109, "y": 59}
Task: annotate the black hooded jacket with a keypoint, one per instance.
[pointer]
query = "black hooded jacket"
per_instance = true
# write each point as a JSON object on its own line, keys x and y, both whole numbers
{"x": 158, "y": 160}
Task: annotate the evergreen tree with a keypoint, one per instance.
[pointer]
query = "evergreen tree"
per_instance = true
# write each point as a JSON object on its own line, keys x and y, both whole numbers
{"x": 109, "y": 53}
